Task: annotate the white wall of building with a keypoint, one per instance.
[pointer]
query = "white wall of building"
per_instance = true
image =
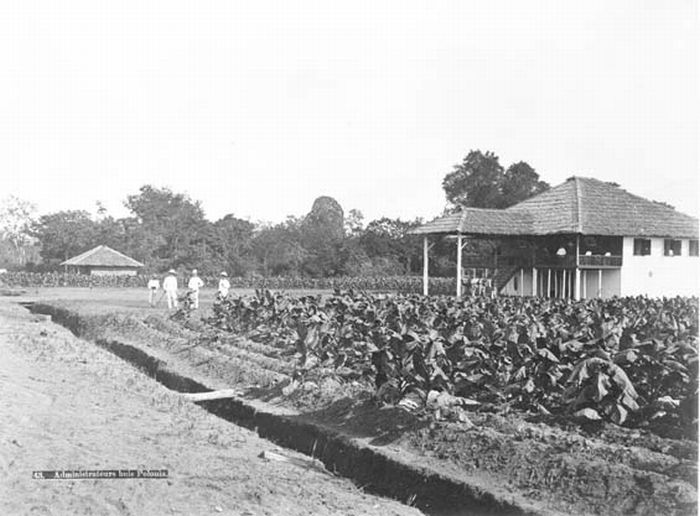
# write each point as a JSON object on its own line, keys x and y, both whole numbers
{"x": 654, "y": 275}
{"x": 610, "y": 283}
{"x": 657, "y": 275}
{"x": 600, "y": 283}
{"x": 590, "y": 283}
{"x": 112, "y": 272}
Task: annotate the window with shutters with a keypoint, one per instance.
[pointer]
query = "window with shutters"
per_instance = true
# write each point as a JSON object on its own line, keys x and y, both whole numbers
{"x": 642, "y": 247}
{"x": 672, "y": 247}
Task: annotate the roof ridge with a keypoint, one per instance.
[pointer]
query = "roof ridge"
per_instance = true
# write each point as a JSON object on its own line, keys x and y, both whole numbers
{"x": 546, "y": 193}
{"x": 656, "y": 204}
{"x": 95, "y": 250}
{"x": 115, "y": 251}
{"x": 86, "y": 254}
{"x": 123, "y": 255}
{"x": 650, "y": 202}
{"x": 577, "y": 200}
{"x": 462, "y": 216}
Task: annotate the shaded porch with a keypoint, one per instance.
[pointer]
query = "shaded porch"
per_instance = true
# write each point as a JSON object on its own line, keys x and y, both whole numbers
{"x": 567, "y": 266}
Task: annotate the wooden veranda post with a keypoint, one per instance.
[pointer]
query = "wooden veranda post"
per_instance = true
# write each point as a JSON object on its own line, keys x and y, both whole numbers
{"x": 459, "y": 265}
{"x": 577, "y": 279}
{"x": 425, "y": 265}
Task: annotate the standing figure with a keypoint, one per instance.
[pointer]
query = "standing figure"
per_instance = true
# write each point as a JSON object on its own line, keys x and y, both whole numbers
{"x": 170, "y": 287}
{"x": 224, "y": 286}
{"x": 153, "y": 286}
{"x": 194, "y": 285}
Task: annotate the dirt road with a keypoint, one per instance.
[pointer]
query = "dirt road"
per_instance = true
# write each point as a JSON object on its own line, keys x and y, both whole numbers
{"x": 66, "y": 404}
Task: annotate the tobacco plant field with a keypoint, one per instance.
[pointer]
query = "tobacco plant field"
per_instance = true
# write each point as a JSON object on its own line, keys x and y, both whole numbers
{"x": 575, "y": 407}
{"x": 629, "y": 361}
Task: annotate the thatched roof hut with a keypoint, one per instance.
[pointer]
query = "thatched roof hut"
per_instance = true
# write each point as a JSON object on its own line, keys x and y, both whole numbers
{"x": 103, "y": 260}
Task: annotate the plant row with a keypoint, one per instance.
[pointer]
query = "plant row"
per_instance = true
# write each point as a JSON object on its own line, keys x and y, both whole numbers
{"x": 405, "y": 284}
{"x": 627, "y": 360}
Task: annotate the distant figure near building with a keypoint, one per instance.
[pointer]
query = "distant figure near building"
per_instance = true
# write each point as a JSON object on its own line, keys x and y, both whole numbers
{"x": 224, "y": 285}
{"x": 194, "y": 285}
{"x": 170, "y": 287}
{"x": 153, "y": 286}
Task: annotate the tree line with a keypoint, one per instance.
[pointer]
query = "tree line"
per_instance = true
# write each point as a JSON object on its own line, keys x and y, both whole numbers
{"x": 166, "y": 229}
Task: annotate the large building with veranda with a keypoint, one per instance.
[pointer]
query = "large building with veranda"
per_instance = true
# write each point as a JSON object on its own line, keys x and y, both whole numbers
{"x": 582, "y": 239}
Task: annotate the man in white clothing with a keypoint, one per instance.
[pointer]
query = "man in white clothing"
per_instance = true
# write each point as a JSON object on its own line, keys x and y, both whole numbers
{"x": 153, "y": 286}
{"x": 224, "y": 286}
{"x": 170, "y": 287}
{"x": 194, "y": 285}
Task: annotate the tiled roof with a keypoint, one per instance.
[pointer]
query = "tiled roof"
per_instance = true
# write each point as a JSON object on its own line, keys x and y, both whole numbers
{"x": 445, "y": 224}
{"x": 102, "y": 256}
{"x": 614, "y": 211}
{"x": 580, "y": 205}
{"x": 479, "y": 221}
{"x": 553, "y": 211}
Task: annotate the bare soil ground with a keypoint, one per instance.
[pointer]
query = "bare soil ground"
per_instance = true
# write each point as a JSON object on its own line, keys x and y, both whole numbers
{"x": 558, "y": 466}
{"x": 67, "y": 404}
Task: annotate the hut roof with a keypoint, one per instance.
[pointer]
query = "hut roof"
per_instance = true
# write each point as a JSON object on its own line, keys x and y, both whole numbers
{"x": 580, "y": 205}
{"x": 102, "y": 256}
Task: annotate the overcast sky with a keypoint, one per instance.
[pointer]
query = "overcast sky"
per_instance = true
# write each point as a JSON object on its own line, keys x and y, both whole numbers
{"x": 258, "y": 107}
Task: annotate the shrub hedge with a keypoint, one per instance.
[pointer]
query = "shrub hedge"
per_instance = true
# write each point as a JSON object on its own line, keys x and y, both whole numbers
{"x": 403, "y": 284}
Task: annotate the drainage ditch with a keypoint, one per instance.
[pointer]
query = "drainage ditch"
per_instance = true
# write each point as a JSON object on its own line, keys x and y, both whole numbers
{"x": 375, "y": 470}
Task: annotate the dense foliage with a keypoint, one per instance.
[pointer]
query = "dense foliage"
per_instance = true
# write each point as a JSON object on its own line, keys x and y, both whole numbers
{"x": 630, "y": 360}
{"x": 481, "y": 182}
{"x": 15, "y": 242}
{"x": 165, "y": 229}
{"x": 59, "y": 279}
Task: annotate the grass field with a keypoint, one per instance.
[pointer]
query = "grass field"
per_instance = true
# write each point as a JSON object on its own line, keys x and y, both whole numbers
{"x": 130, "y": 299}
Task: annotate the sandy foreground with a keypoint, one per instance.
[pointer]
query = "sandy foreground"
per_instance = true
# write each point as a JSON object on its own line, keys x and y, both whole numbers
{"x": 66, "y": 404}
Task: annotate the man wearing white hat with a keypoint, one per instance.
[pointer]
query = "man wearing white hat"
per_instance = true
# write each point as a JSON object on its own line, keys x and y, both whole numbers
{"x": 170, "y": 287}
{"x": 224, "y": 286}
{"x": 194, "y": 285}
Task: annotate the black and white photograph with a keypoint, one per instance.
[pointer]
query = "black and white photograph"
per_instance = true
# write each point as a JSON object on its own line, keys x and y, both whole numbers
{"x": 348, "y": 258}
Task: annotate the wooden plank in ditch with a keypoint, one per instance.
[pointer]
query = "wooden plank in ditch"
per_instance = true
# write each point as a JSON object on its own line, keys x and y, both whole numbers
{"x": 211, "y": 395}
{"x": 301, "y": 462}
